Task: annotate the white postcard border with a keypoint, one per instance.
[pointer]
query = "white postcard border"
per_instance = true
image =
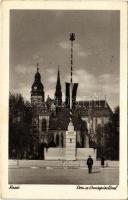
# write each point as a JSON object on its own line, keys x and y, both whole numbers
{"x": 62, "y": 191}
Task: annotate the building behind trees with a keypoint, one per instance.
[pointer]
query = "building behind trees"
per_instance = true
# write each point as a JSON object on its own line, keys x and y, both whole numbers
{"x": 43, "y": 123}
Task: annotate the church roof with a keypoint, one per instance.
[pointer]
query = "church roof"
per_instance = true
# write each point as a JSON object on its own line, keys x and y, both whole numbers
{"x": 61, "y": 121}
{"x": 98, "y": 108}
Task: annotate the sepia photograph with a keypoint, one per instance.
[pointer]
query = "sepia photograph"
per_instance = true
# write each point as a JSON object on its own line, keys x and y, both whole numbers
{"x": 64, "y": 97}
{"x": 63, "y": 100}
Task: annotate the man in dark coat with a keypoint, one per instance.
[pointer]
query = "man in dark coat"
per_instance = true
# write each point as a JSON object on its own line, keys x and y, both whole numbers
{"x": 89, "y": 163}
{"x": 102, "y": 161}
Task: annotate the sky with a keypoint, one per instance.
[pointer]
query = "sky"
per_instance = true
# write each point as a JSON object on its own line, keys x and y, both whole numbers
{"x": 42, "y": 36}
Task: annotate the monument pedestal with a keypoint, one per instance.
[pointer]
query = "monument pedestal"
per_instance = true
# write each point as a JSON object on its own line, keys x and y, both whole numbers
{"x": 70, "y": 143}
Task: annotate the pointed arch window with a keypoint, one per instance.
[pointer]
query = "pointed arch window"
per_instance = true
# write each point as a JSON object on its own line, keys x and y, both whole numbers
{"x": 57, "y": 140}
{"x": 44, "y": 124}
{"x": 62, "y": 140}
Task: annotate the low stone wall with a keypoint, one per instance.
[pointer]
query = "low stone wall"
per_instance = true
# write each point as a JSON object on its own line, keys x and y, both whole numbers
{"x": 59, "y": 163}
{"x": 13, "y": 162}
{"x": 54, "y": 154}
{"x": 59, "y": 153}
{"x": 35, "y": 163}
{"x": 83, "y": 153}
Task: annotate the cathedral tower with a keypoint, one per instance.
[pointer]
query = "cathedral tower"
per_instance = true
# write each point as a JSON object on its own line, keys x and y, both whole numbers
{"x": 58, "y": 93}
{"x": 37, "y": 92}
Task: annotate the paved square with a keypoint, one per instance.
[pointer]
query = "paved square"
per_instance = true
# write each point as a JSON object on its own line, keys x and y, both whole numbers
{"x": 99, "y": 176}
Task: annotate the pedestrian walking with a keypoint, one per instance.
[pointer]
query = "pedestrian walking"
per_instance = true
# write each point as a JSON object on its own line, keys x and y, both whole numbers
{"x": 89, "y": 163}
{"x": 102, "y": 161}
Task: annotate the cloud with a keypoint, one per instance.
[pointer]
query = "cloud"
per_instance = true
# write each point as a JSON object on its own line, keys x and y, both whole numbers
{"x": 109, "y": 83}
{"x": 79, "y": 51}
{"x": 86, "y": 80}
{"x": 51, "y": 71}
{"x": 91, "y": 86}
{"x": 52, "y": 74}
{"x": 52, "y": 79}
{"x": 24, "y": 91}
{"x": 83, "y": 54}
{"x": 36, "y": 57}
{"x": 22, "y": 69}
{"x": 65, "y": 45}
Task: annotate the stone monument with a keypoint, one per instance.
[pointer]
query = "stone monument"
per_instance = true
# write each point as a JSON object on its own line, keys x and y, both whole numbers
{"x": 70, "y": 143}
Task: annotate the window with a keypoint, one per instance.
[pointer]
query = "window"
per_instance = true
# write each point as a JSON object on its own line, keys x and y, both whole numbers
{"x": 57, "y": 140}
{"x": 44, "y": 124}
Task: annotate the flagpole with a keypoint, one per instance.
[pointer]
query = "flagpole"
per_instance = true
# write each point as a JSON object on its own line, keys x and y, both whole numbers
{"x": 72, "y": 38}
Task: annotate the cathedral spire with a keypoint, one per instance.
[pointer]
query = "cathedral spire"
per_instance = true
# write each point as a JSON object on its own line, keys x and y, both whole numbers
{"x": 58, "y": 93}
{"x": 37, "y": 67}
{"x": 58, "y": 78}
